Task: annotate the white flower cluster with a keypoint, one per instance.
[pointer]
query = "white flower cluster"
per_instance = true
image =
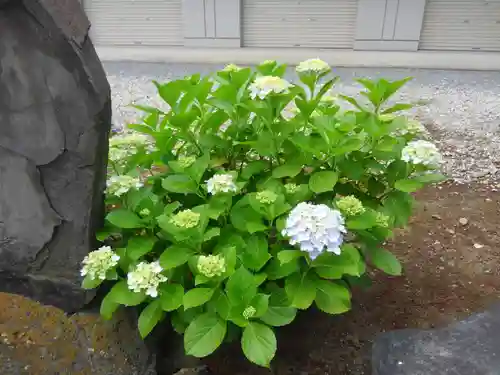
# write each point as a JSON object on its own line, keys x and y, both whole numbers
{"x": 119, "y": 185}
{"x": 126, "y": 144}
{"x": 97, "y": 263}
{"x": 265, "y": 85}
{"x": 315, "y": 228}
{"x": 146, "y": 277}
{"x": 211, "y": 265}
{"x": 312, "y": 66}
{"x": 422, "y": 152}
{"x": 221, "y": 183}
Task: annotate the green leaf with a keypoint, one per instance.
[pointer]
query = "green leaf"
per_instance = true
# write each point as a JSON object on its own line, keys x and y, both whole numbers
{"x": 364, "y": 221}
{"x": 179, "y": 183}
{"x": 430, "y": 177}
{"x": 259, "y": 344}
{"x": 245, "y": 219}
{"x": 89, "y": 283}
{"x": 122, "y": 218}
{"x": 175, "y": 256}
{"x": 150, "y": 317}
{"x": 241, "y": 287}
{"x": 279, "y": 312}
{"x": 221, "y": 304}
{"x": 408, "y": 186}
{"x": 256, "y": 252}
{"x": 211, "y": 233}
{"x": 301, "y": 290}
{"x": 286, "y": 256}
{"x": 139, "y": 246}
{"x": 254, "y": 168}
{"x": 333, "y": 266}
{"x": 199, "y": 167}
{"x": 120, "y": 293}
{"x": 276, "y": 270}
{"x": 287, "y": 170}
{"x": 197, "y": 297}
{"x": 108, "y": 307}
{"x": 204, "y": 335}
{"x": 386, "y": 261}
{"x": 332, "y": 298}
{"x": 261, "y": 304}
{"x": 399, "y": 205}
{"x": 398, "y": 107}
{"x": 323, "y": 181}
{"x": 171, "y": 296}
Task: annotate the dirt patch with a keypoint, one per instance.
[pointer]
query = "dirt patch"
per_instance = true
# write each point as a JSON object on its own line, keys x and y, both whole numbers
{"x": 452, "y": 268}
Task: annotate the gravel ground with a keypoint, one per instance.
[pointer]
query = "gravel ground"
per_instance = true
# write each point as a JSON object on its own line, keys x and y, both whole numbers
{"x": 463, "y": 114}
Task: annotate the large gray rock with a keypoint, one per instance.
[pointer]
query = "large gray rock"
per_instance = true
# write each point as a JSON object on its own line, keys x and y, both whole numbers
{"x": 55, "y": 117}
{"x": 469, "y": 347}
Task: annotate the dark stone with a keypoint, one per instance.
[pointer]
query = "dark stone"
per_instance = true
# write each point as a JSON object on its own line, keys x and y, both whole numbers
{"x": 469, "y": 347}
{"x": 55, "y": 116}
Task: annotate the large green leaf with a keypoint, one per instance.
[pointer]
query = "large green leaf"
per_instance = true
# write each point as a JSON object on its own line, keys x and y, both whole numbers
{"x": 256, "y": 252}
{"x": 408, "y": 185}
{"x": 197, "y": 297}
{"x": 276, "y": 270}
{"x": 323, "y": 181}
{"x": 286, "y": 256}
{"x": 259, "y": 344}
{"x": 332, "y": 298}
{"x": 301, "y": 290}
{"x": 139, "y": 246}
{"x": 179, "y": 183}
{"x": 332, "y": 266}
{"x": 204, "y": 335}
{"x": 386, "y": 261}
{"x": 287, "y": 170}
{"x": 120, "y": 293}
{"x": 241, "y": 287}
{"x": 150, "y": 317}
{"x": 171, "y": 296}
{"x": 175, "y": 256}
{"x": 108, "y": 307}
{"x": 279, "y": 312}
{"x": 122, "y": 218}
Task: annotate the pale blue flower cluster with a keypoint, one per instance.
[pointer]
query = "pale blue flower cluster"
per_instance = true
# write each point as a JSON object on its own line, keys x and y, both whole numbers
{"x": 315, "y": 228}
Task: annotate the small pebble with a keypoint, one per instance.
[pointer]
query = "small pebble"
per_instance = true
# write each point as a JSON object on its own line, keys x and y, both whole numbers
{"x": 478, "y": 246}
{"x": 463, "y": 221}
{"x": 437, "y": 217}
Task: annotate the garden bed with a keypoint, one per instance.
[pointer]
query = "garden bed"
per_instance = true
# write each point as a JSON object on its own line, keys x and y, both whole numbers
{"x": 452, "y": 268}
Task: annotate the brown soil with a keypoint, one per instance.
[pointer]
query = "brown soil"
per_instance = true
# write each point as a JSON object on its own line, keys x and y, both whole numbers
{"x": 451, "y": 270}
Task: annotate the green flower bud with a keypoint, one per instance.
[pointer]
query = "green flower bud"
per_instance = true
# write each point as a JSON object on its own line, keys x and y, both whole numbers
{"x": 186, "y": 219}
{"x": 350, "y": 205}
{"x": 144, "y": 212}
{"x": 266, "y": 197}
{"x": 291, "y": 188}
{"x": 382, "y": 220}
{"x": 211, "y": 265}
{"x": 186, "y": 161}
{"x": 249, "y": 312}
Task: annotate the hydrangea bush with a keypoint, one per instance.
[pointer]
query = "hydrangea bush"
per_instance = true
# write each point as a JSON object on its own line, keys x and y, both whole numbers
{"x": 253, "y": 198}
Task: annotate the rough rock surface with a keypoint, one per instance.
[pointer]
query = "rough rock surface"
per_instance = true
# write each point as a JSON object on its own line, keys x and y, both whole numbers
{"x": 469, "y": 347}
{"x": 38, "y": 340}
{"x": 55, "y": 115}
